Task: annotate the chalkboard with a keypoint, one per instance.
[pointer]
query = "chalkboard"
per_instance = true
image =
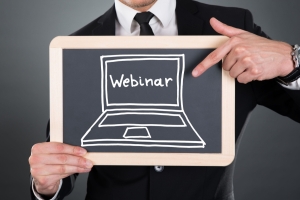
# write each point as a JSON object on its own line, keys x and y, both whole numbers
{"x": 140, "y": 105}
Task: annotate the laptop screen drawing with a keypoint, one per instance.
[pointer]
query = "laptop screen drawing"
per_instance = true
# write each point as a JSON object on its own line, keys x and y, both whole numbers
{"x": 141, "y": 98}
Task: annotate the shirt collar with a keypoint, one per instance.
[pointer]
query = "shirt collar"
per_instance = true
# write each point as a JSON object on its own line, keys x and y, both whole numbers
{"x": 162, "y": 9}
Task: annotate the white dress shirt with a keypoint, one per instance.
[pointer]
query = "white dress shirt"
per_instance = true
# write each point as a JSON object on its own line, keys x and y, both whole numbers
{"x": 163, "y": 23}
{"x": 293, "y": 85}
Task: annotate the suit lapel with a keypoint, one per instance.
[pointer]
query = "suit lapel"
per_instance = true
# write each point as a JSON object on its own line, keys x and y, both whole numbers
{"x": 106, "y": 23}
{"x": 187, "y": 21}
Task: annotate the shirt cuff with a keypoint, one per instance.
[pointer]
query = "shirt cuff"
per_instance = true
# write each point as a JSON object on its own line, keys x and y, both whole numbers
{"x": 293, "y": 85}
{"x": 38, "y": 196}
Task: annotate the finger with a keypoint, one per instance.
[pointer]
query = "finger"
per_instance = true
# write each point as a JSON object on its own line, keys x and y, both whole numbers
{"x": 42, "y": 181}
{"x": 56, "y": 147}
{"x": 213, "y": 58}
{"x": 59, "y": 159}
{"x": 228, "y": 61}
{"x": 47, "y": 170}
{"x": 234, "y": 55}
{"x": 237, "y": 69}
{"x": 224, "y": 29}
{"x": 245, "y": 77}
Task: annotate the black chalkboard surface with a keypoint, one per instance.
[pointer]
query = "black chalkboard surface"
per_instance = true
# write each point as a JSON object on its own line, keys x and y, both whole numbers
{"x": 141, "y": 101}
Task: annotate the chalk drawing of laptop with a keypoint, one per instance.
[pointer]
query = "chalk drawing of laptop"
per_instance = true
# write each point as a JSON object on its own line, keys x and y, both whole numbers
{"x": 142, "y": 104}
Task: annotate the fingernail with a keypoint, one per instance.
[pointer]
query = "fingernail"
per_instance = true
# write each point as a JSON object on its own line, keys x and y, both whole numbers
{"x": 195, "y": 72}
{"x": 82, "y": 151}
{"x": 88, "y": 164}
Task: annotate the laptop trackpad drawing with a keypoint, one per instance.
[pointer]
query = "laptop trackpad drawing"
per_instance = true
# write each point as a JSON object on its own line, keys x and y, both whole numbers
{"x": 142, "y": 119}
{"x": 137, "y": 132}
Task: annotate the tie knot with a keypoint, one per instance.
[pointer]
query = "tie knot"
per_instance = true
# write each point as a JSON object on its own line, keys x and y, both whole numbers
{"x": 143, "y": 17}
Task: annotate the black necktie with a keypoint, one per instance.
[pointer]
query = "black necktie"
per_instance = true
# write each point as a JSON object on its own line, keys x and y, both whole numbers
{"x": 143, "y": 19}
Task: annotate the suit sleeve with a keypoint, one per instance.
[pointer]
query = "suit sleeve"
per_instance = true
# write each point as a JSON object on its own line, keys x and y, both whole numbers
{"x": 270, "y": 93}
{"x": 67, "y": 183}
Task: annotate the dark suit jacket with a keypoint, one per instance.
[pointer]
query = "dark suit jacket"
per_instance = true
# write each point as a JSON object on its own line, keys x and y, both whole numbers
{"x": 183, "y": 183}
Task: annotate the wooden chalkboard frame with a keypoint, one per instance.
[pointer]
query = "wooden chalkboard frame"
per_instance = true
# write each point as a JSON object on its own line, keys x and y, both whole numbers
{"x": 60, "y": 43}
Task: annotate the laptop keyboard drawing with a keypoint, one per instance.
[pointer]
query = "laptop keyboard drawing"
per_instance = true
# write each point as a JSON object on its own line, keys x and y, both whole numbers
{"x": 142, "y": 103}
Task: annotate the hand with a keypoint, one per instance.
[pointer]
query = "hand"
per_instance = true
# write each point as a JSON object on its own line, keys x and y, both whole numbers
{"x": 50, "y": 162}
{"x": 247, "y": 56}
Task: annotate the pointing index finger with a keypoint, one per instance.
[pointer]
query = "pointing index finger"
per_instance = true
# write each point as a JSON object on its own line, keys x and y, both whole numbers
{"x": 213, "y": 58}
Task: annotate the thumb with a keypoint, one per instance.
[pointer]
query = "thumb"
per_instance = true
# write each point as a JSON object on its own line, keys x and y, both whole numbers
{"x": 224, "y": 29}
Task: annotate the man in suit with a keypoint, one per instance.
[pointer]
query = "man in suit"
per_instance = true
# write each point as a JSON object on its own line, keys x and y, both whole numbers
{"x": 255, "y": 61}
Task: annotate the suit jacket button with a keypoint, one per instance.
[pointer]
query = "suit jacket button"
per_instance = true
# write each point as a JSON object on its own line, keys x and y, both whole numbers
{"x": 159, "y": 168}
